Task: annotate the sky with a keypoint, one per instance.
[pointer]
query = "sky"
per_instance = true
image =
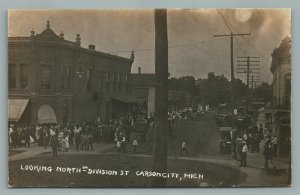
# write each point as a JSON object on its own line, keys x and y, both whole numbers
{"x": 193, "y": 51}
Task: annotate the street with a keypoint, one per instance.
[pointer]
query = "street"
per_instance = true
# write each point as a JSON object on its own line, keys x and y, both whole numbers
{"x": 202, "y": 138}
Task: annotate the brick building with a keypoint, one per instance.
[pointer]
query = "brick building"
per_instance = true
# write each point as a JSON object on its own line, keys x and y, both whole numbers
{"x": 55, "y": 80}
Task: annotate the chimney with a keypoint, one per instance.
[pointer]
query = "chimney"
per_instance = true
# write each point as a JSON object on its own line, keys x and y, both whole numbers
{"x": 92, "y": 47}
{"x": 139, "y": 71}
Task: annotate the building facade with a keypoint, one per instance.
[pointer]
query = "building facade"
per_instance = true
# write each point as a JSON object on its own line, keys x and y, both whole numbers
{"x": 281, "y": 70}
{"x": 280, "y": 117}
{"x": 142, "y": 87}
{"x": 51, "y": 79}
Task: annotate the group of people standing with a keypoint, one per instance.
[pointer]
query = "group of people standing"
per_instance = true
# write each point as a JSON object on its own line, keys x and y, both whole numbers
{"x": 251, "y": 142}
{"x": 270, "y": 150}
{"x": 19, "y": 136}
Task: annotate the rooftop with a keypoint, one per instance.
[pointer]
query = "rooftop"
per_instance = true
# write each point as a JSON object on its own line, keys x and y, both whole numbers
{"x": 48, "y": 35}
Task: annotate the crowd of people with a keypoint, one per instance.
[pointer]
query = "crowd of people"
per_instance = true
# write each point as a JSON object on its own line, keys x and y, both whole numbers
{"x": 250, "y": 142}
{"x": 80, "y": 135}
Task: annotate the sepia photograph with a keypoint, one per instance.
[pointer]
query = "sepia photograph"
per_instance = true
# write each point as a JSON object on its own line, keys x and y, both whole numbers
{"x": 149, "y": 98}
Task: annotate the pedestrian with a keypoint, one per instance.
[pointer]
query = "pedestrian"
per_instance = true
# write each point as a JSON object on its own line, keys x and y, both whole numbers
{"x": 251, "y": 142}
{"x": 124, "y": 143}
{"x": 54, "y": 144}
{"x": 37, "y": 134}
{"x": 77, "y": 131}
{"x": 256, "y": 142}
{"x": 60, "y": 141}
{"x": 90, "y": 141}
{"x": 268, "y": 153}
{"x": 244, "y": 155}
{"x": 184, "y": 147}
{"x": 27, "y": 136}
{"x": 45, "y": 138}
{"x": 135, "y": 144}
{"x": 275, "y": 146}
{"x": 118, "y": 146}
{"x": 82, "y": 140}
{"x": 261, "y": 133}
{"x": 67, "y": 144}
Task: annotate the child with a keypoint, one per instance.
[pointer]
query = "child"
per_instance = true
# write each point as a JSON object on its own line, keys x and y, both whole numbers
{"x": 66, "y": 143}
{"x": 135, "y": 144}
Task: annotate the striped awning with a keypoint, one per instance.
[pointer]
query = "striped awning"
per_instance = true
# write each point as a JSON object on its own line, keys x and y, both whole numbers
{"x": 16, "y": 108}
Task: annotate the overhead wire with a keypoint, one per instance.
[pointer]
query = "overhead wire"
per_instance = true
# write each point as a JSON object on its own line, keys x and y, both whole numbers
{"x": 258, "y": 52}
{"x": 173, "y": 46}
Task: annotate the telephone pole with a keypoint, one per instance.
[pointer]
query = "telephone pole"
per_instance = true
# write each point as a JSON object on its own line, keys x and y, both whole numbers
{"x": 248, "y": 68}
{"x": 231, "y": 35}
{"x": 161, "y": 97}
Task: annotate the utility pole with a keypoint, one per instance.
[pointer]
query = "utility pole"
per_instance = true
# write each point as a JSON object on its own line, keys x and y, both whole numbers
{"x": 231, "y": 35}
{"x": 248, "y": 68}
{"x": 161, "y": 97}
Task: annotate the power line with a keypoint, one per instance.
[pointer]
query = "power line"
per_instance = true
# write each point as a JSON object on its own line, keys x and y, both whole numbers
{"x": 231, "y": 35}
{"x": 267, "y": 60}
{"x": 224, "y": 20}
{"x": 173, "y": 46}
{"x": 240, "y": 47}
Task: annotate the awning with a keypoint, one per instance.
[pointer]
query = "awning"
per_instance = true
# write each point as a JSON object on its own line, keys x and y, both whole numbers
{"x": 16, "y": 108}
{"x": 125, "y": 99}
{"x": 46, "y": 114}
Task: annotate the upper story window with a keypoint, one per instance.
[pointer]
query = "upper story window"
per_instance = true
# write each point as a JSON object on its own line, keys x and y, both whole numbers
{"x": 100, "y": 75}
{"x": 69, "y": 77}
{"x": 66, "y": 77}
{"x": 89, "y": 79}
{"x": 126, "y": 80}
{"x": 46, "y": 77}
{"x": 24, "y": 76}
{"x": 12, "y": 76}
{"x": 119, "y": 81}
{"x": 63, "y": 77}
{"x": 114, "y": 79}
{"x": 106, "y": 79}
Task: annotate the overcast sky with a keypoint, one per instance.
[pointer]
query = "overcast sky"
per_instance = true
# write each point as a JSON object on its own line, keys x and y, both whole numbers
{"x": 193, "y": 49}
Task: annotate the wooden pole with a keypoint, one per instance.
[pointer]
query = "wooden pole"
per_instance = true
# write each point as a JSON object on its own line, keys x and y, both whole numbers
{"x": 161, "y": 97}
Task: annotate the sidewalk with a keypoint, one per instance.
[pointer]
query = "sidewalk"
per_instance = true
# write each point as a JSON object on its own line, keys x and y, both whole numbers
{"x": 276, "y": 175}
{"x": 36, "y": 150}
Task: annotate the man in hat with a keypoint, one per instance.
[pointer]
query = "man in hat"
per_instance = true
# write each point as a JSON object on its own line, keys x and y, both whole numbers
{"x": 54, "y": 144}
